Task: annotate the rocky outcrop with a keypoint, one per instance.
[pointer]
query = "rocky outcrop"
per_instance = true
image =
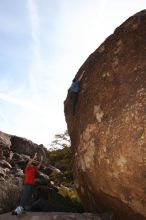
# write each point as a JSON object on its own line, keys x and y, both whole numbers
{"x": 5, "y": 144}
{"x": 27, "y": 147}
{"x": 14, "y": 155}
{"x": 108, "y": 132}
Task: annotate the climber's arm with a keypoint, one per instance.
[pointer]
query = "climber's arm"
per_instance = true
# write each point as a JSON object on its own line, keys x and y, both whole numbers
{"x": 38, "y": 166}
{"x": 31, "y": 160}
{"x": 79, "y": 79}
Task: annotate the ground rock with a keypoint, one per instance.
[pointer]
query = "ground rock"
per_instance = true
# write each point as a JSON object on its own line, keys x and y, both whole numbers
{"x": 51, "y": 170}
{"x": 19, "y": 173}
{"x": 5, "y": 164}
{"x": 2, "y": 172}
{"x": 55, "y": 216}
{"x": 43, "y": 178}
{"x": 108, "y": 132}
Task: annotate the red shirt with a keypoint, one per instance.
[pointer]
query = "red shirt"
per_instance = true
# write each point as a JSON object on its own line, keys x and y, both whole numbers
{"x": 30, "y": 172}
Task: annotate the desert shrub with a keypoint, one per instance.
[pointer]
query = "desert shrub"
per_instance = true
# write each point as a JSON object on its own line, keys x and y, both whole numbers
{"x": 65, "y": 200}
{"x": 9, "y": 196}
{"x": 60, "y": 155}
{"x": 63, "y": 160}
{"x": 72, "y": 198}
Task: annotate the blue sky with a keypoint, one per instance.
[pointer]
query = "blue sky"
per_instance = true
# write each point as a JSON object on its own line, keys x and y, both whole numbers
{"x": 43, "y": 44}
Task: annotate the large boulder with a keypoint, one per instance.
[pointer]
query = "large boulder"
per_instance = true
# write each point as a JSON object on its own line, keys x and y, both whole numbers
{"x": 108, "y": 132}
{"x": 5, "y": 144}
{"x": 24, "y": 146}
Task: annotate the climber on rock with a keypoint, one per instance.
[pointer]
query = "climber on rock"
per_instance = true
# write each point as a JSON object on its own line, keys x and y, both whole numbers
{"x": 74, "y": 91}
{"x": 29, "y": 181}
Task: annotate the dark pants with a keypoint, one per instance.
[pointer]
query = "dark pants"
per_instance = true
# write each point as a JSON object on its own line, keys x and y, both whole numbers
{"x": 27, "y": 193}
{"x": 74, "y": 99}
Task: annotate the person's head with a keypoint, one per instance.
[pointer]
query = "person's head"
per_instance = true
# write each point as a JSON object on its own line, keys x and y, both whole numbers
{"x": 74, "y": 80}
{"x": 35, "y": 163}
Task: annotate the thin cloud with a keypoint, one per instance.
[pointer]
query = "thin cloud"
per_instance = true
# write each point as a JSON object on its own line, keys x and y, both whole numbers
{"x": 18, "y": 102}
{"x": 3, "y": 118}
{"x": 38, "y": 66}
{"x": 34, "y": 21}
{"x": 41, "y": 72}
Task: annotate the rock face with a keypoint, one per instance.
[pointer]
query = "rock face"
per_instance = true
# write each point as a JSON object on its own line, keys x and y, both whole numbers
{"x": 108, "y": 132}
{"x": 14, "y": 155}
